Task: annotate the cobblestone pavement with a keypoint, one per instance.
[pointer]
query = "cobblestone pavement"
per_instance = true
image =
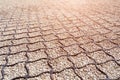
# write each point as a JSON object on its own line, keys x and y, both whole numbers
{"x": 59, "y": 39}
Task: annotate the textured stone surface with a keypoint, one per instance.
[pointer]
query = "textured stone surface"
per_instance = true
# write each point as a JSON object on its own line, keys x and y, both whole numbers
{"x": 59, "y": 39}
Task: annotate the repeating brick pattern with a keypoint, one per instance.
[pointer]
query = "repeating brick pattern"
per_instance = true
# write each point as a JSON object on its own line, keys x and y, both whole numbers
{"x": 60, "y": 40}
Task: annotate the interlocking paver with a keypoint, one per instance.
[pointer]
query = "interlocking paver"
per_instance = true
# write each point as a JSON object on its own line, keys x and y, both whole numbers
{"x": 14, "y": 71}
{"x": 59, "y": 39}
{"x": 106, "y": 44}
{"x": 56, "y": 52}
{"x": 66, "y": 74}
{"x": 2, "y": 60}
{"x": 110, "y": 68}
{"x": 83, "y": 40}
{"x": 13, "y": 59}
{"x": 38, "y": 67}
{"x": 73, "y": 49}
{"x": 60, "y": 63}
{"x": 90, "y": 73}
{"x": 49, "y": 37}
{"x": 36, "y": 55}
{"x": 67, "y": 42}
{"x": 41, "y": 77}
{"x": 63, "y": 35}
{"x": 5, "y": 43}
{"x": 35, "y": 46}
{"x": 20, "y": 41}
{"x": 20, "y": 35}
{"x": 99, "y": 56}
{"x": 97, "y": 38}
{"x": 4, "y": 50}
{"x": 35, "y": 39}
{"x": 116, "y": 41}
{"x": 18, "y": 48}
{"x": 52, "y": 44}
{"x": 82, "y": 60}
{"x": 90, "y": 47}
{"x": 115, "y": 52}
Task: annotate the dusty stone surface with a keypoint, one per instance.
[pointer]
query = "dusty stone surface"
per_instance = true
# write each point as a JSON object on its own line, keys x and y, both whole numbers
{"x": 59, "y": 39}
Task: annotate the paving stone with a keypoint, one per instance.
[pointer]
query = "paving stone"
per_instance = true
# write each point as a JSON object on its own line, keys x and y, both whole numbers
{"x": 56, "y": 52}
{"x": 3, "y": 59}
{"x": 115, "y": 52}
{"x": 5, "y": 43}
{"x": 83, "y": 40}
{"x": 7, "y": 37}
{"x": 36, "y": 55}
{"x": 49, "y": 37}
{"x": 34, "y": 29}
{"x": 57, "y": 26}
{"x": 46, "y": 28}
{"x": 35, "y": 39}
{"x": 52, "y": 44}
{"x": 35, "y": 46}
{"x": 38, "y": 67}
{"x": 9, "y": 32}
{"x": 18, "y": 48}
{"x": 13, "y": 59}
{"x": 67, "y": 74}
{"x": 11, "y": 27}
{"x": 21, "y": 31}
{"x": 4, "y": 50}
{"x": 63, "y": 35}
{"x": 60, "y": 63}
{"x": 106, "y": 44}
{"x": 81, "y": 60}
{"x": 116, "y": 41}
{"x": 59, "y": 39}
{"x": 111, "y": 69}
{"x": 90, "y": 47}
{"x": 77, "y": 34}
{"x": 111, "y": 35}
{"x": 103, "y": 30}
{"x": 20, "y": 35}
{"x": 67, "y": 42}
{"x": 47, "y": 32}
{"x": 14, "y": 71}
{"x": 97, "y": 38}
{"x": 91, "y": 32}
{"x": 114, "y": 29}
{"x": 58, "y": 31}
{"x": 74, "y": 49}
{"x": 32, "y": 34}
{"x": 20, "y": 41}
{"x": 41, "y": 77}
{"x": 72, "y": 29}
{"x": 90, "y": 72}
{"x": 100, "y": 56}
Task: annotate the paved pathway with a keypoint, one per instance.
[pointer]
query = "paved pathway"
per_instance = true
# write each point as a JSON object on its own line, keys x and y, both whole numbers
{"x": 59, "y": 39}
